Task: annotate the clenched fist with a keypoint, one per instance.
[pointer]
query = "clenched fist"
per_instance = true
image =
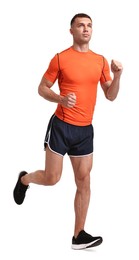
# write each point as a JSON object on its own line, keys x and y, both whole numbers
{"x": 69, "y": 100}
{"x": 116, "y": 67}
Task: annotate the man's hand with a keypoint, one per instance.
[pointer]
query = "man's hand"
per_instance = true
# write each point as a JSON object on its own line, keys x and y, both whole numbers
{"x": 116, "y": 67}
{"x": 69, "y": 100}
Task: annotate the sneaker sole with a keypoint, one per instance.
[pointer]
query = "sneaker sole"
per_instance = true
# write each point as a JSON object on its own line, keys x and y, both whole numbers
{"x": 84, "y": 246}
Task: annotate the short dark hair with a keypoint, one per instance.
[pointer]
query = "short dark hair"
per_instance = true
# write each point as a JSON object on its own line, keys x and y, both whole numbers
{"x": 79, "y": 15}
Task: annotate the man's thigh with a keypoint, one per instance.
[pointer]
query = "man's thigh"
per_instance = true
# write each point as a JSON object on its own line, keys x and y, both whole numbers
{"x": 82, "y": 165}
{"x": 53, "y": 164}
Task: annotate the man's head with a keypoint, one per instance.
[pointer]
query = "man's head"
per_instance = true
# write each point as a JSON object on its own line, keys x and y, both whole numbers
{"x": 81, "y": 28}
{"x": 80, "y": 15}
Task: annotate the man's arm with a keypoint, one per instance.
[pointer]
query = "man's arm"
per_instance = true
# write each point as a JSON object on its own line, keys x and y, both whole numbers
{"x": 47, "y": 93}
{"x": 111, "y": 88}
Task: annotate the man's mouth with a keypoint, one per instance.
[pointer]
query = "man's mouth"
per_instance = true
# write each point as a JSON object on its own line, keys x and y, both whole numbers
{"x": 85, "y": 35}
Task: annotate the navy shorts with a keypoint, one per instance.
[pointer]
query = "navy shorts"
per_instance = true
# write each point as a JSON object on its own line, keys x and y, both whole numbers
{"x": 63, "y": 138}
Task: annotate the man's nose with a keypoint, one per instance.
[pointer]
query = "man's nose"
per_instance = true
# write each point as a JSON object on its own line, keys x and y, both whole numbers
{"x": 85, "y": 29}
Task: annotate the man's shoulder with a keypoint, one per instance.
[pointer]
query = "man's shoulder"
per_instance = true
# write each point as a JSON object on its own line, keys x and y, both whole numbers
{"x": 96, "y": 54}
{"x": 63, "y": 52}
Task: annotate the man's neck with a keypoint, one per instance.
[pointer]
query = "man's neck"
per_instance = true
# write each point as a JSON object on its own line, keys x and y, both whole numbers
{"x": 81, "y": 47}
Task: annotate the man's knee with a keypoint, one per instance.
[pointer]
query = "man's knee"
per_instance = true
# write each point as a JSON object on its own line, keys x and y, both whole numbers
{"x": 52, "y": 178}
{"x": 83, "y": 181}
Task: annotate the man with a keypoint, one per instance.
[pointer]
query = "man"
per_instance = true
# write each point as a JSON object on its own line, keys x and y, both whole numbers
{"x": 70, "y": 130}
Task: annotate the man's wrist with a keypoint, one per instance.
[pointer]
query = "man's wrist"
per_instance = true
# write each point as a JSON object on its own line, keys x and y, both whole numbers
{"x": 60, "y": 100}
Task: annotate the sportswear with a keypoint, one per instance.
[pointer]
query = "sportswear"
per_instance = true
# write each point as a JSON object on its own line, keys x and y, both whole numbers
{"x": 84, "y": 240}
{"x": 62, "y": 138}
{"x": 79, "y": 73}
{"x": 20, "y": 189}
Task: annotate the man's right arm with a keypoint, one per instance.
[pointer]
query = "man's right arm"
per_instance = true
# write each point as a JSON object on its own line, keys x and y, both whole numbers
{"x": 45, "y": 91}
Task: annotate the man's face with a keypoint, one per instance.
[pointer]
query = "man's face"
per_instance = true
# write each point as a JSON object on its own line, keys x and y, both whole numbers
{"x": 81, "y": 30}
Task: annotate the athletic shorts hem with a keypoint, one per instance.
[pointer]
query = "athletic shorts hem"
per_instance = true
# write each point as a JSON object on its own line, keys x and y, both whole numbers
{"x": 53, "y": 150}
{"x": 84, "y": 155}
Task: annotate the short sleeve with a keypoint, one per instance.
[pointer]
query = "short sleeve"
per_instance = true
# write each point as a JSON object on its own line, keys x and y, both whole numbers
{"x": 51, "y": 73}
{"x": 105, "y": 76}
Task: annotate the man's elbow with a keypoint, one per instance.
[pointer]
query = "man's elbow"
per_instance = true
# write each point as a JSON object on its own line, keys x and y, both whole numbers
{"x": 40, "y": 90}
{"x": 111, "y": 98}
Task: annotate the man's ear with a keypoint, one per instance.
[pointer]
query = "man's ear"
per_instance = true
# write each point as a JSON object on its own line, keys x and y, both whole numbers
{"x": 71, "y": 31}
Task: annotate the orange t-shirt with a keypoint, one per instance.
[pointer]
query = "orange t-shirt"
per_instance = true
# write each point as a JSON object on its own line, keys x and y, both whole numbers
{"x": 79, "y": 73}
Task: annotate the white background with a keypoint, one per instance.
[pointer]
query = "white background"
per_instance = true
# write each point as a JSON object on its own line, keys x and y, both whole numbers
{"x": 31, "y": 32}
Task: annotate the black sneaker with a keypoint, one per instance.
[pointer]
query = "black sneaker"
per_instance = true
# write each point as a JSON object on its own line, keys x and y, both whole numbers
{"x": 84, "y": 240}
{"x": 20, "y": 189}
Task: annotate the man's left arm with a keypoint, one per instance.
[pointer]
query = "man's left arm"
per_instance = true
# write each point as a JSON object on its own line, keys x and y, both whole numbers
{"x": 111, "y": 88}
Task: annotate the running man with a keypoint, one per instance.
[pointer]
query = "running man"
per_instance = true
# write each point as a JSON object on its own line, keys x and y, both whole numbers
{"x": 78, "y": 71}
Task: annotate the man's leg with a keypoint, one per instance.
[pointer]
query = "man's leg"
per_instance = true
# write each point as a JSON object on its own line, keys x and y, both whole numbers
{"x": 52, "y": 173}
{"x": 82, "y": 167}
{"x": 50, "y": 176}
